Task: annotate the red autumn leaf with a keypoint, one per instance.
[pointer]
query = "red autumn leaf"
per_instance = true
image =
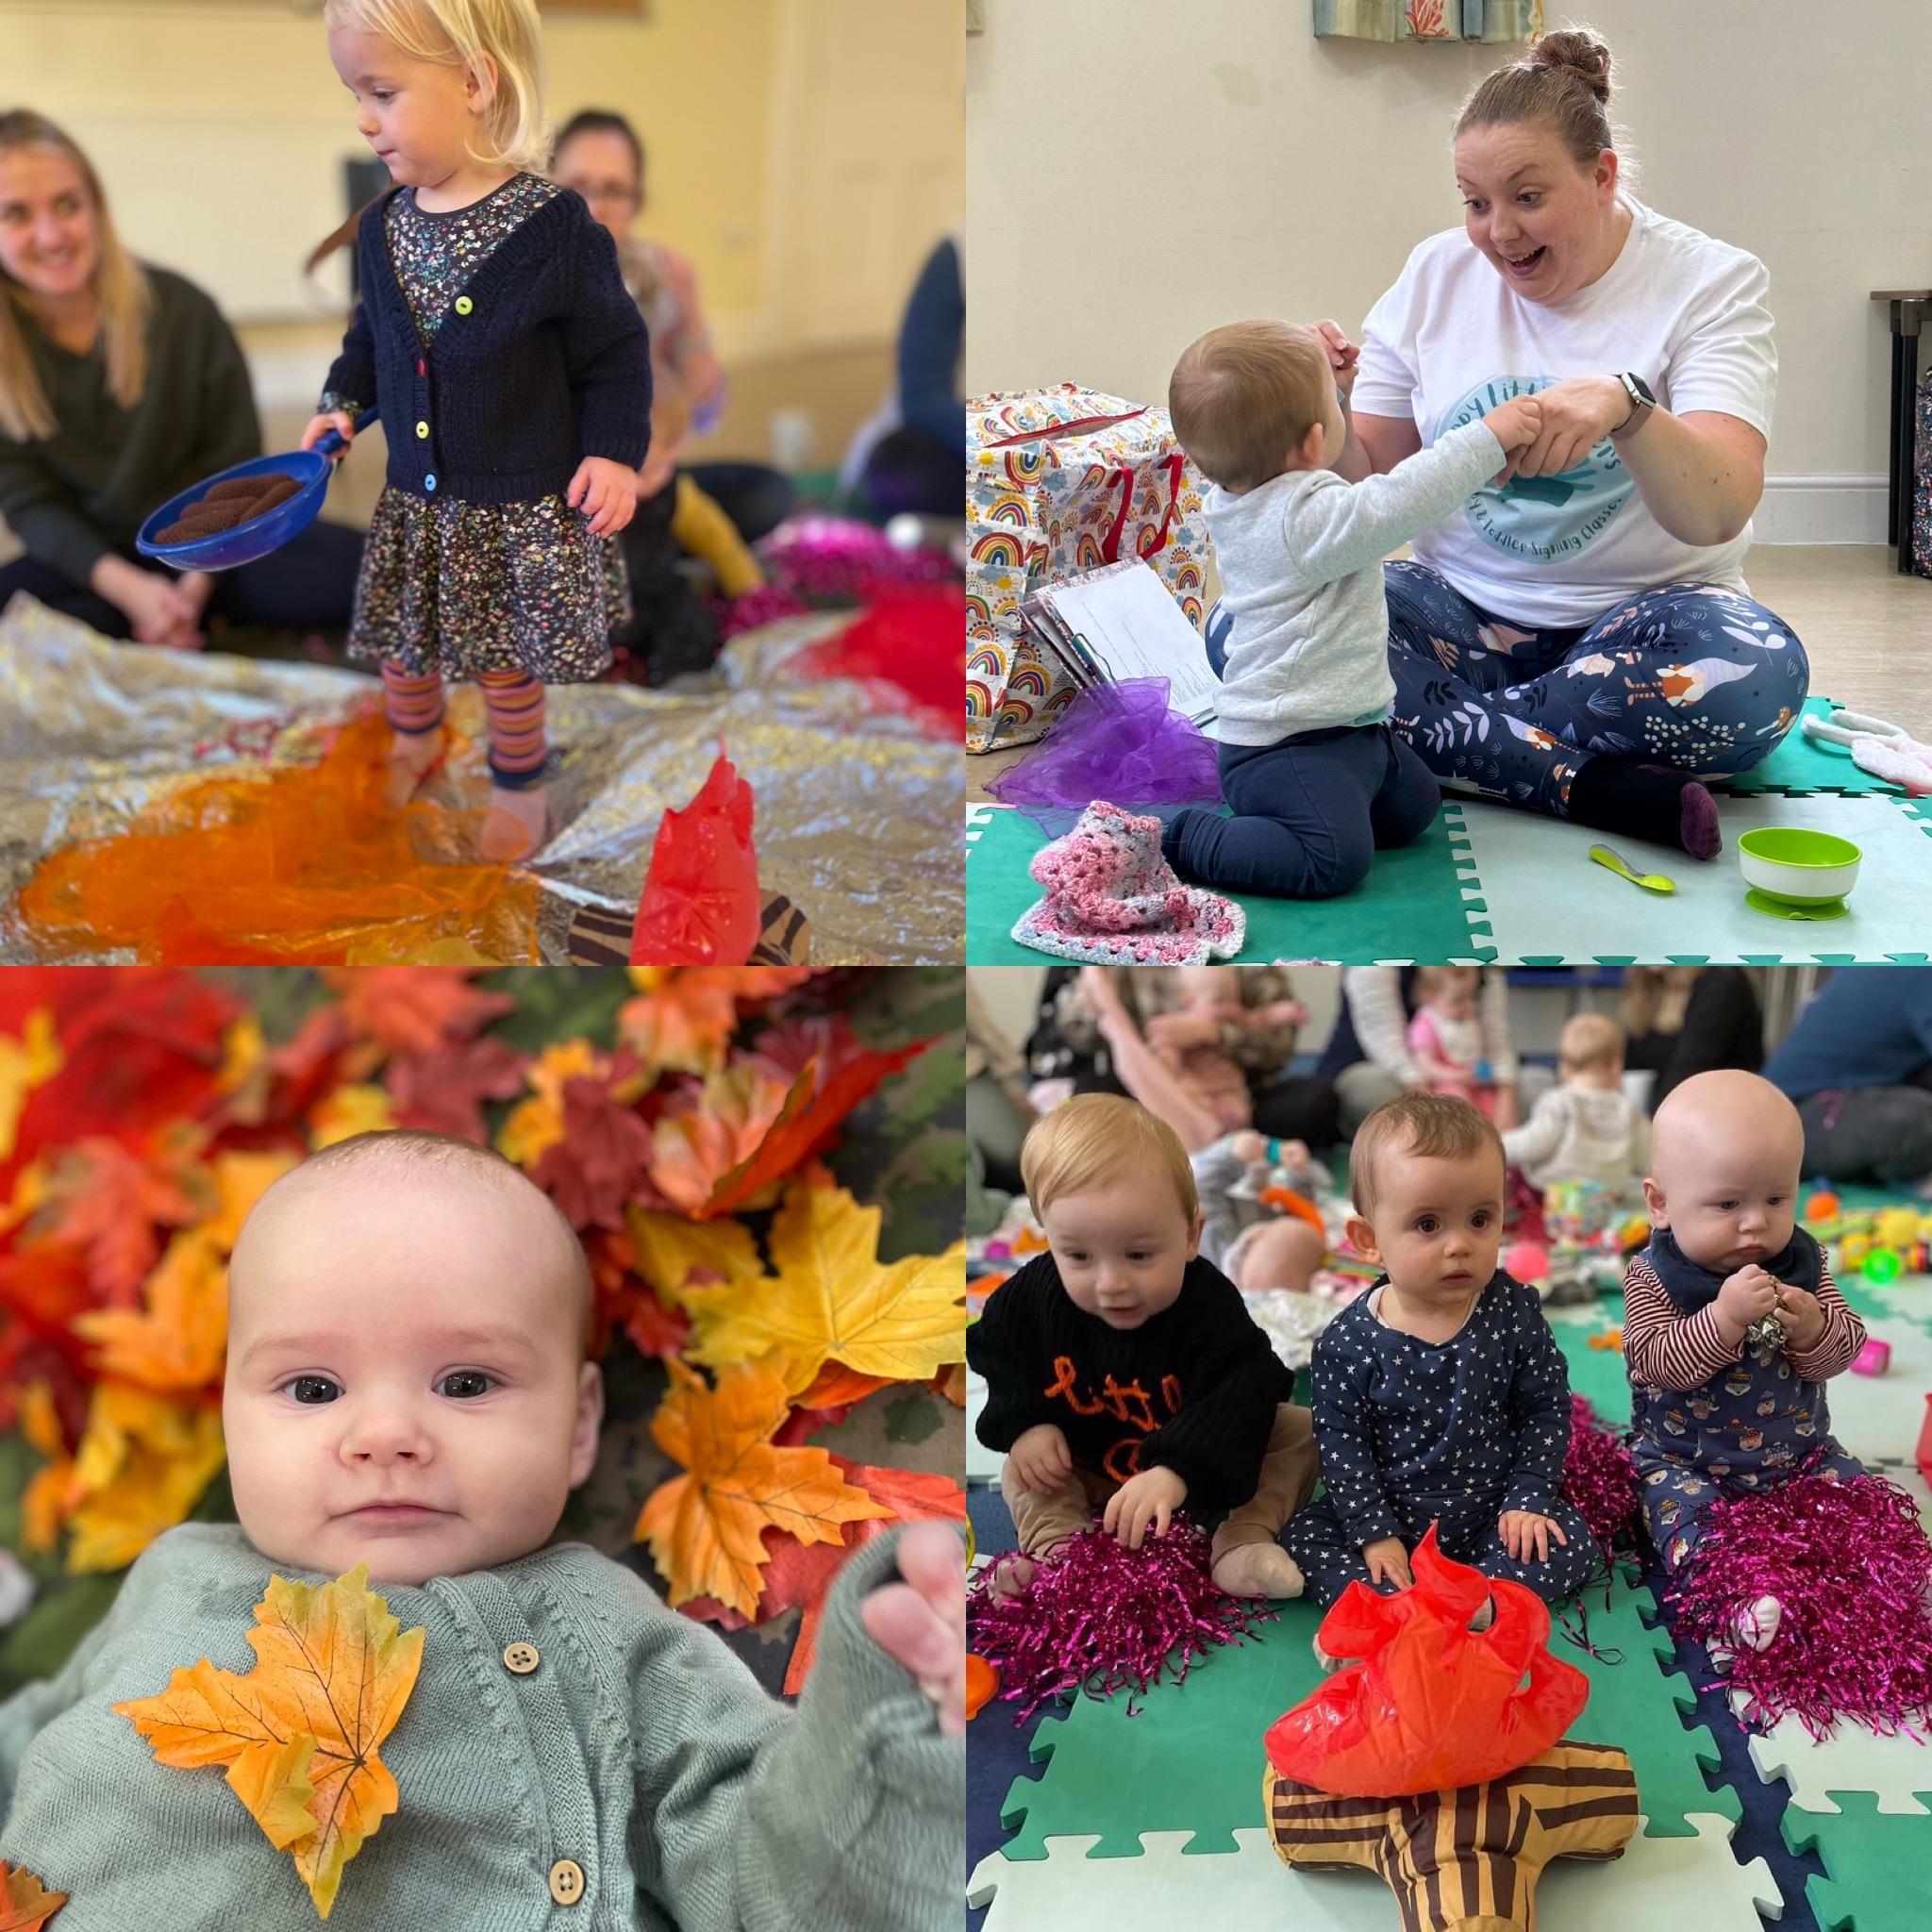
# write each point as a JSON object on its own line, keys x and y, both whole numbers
{"x": 415, "y": 1009}
{"x": 800, "y": 1575}
{"x": 791, "y": 1044}
{"x": 112, "y": 1204}
{"x": 826, "y": 1403}
{"x": 654, "y": 1329}
{"x": 684, "y": 1021}
{"x": 806, "y": 1124}
{"x": 443, "y": 1090}
{"x": 598, "y": 1167}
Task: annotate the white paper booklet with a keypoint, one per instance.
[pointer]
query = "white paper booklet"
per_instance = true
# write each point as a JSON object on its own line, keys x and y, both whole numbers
{"x": 1125, "y": 625}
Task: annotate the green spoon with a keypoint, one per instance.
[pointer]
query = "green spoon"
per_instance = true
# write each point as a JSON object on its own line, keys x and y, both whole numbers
{"x": 1650, "y": 881}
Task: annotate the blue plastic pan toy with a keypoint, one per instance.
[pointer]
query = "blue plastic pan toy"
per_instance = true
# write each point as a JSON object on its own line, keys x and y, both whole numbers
{"x": 244, "y": 542}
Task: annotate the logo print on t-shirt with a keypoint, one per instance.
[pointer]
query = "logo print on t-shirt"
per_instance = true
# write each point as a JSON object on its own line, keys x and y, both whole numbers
{"x": 1543, "y": 517}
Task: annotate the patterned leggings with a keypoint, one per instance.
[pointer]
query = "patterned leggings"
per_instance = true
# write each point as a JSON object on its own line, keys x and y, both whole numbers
{"x": 512, "y": 700}
{"x": 1676, "y": 1494}
{"x": 1692, "y": 676}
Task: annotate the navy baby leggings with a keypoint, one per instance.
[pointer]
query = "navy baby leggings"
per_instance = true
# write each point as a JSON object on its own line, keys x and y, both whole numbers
{"x": 1308, "y": 813}
{"x": 1692, "y": 676}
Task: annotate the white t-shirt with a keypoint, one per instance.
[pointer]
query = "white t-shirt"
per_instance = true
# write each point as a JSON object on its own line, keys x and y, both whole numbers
{"x": 1451, "y": 339}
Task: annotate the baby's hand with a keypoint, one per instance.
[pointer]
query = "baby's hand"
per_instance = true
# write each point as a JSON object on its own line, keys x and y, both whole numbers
{"x": 921, "y": 1622}
{"x": 1525, "y": 1532}
{"x": 319, "y": 427}
{"x": 1151, "y": 1497}
{"x": 1039, "y": 1457}
{"x": 1388, "y": 1561}
{"x": 1248, "y": 1147}
{"x": 1801, "y": 1316}
{"x": 1747, "y": 1296}
{"x": 607, "y": 492}
{"x": 1344, "y": 357}
{"x": 1516, "y": 422}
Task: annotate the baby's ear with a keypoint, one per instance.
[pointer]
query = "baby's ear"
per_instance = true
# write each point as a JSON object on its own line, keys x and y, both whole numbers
{"x": 1194, "y": 1227}
{"x": 1653, "y": 1204}
{"x": 1361, "y": 1238}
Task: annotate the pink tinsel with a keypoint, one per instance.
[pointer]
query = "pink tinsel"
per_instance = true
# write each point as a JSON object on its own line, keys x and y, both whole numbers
{"x": 1099, "y": 1617}
{"x": 838, "y": 556}
{"x": 1849, "y": 1562}
{"x": 765, "y": 605}
{"x": 1600, "y": 1479}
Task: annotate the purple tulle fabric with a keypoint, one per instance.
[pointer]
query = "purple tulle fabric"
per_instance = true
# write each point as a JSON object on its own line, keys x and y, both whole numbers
{"x": 1120, "y": 743}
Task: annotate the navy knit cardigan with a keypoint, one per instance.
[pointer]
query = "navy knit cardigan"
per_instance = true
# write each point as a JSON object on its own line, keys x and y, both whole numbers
{"x": 541, "y": 361}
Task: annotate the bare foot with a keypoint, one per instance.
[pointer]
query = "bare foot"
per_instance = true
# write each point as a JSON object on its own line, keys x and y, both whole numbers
{"x": 1011, "y": 1573}
{"x": 516, "y": 824}
{"x": 410, "y": 756}
{"x": 1257, "y": 1570}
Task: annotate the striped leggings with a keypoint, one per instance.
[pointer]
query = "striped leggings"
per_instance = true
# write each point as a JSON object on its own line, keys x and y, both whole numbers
{"x": 513, "y": 701}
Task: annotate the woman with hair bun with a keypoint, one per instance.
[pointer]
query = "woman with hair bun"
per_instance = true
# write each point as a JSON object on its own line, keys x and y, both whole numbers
{"x": 1577, "y": 637}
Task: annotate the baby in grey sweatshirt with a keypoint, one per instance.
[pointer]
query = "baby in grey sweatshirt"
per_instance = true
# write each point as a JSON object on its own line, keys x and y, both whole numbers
{"x": 1316, "y": 777}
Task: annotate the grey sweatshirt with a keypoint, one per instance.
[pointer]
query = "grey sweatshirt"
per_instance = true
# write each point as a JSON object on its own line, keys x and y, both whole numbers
{"x": 1301, "y": 573}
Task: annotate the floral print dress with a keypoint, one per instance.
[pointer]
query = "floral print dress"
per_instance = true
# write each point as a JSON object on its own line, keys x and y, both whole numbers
{"x": 464, "y": 588}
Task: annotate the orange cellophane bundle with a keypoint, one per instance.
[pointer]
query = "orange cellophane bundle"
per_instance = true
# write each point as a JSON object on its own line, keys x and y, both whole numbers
{"x": 1433, "y": 1703}
{"x": 286, "y": 864}
{"x": 701, "y": 904}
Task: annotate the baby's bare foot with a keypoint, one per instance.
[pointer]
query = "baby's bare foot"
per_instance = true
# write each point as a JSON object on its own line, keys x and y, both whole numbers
{"x": 516, "y": 824}
{"x": 1257, "y": 1570}
{"x": 410, "y": 756}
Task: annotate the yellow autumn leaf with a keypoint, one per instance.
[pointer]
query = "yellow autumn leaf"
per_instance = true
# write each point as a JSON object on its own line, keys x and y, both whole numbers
{"x": 348, "y": 1112}
{"x": 670, "y": 1249}
{"x": 241, "y": 1181}
{"x": 24, "y": 1064}
{"x": 141, "y": 1465}
{"x": 833, "y": 1300}
{"x": 705, "y": 1529}
{"x": 300, "y": 1731}
{"x": 48, "y": 1495}
{"x": 535, "y": 1125}
{"x": 178, "y": 1340}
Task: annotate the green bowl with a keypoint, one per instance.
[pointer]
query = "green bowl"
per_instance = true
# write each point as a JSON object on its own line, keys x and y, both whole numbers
{"x": 1800, "y": 868}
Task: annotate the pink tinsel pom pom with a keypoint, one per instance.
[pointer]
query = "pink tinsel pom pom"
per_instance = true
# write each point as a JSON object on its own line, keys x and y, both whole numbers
{"x": 1600, "y": 1480}
{"x": 819, "y": 555}
{"x": 1849, "y": 1562}
{"x": 1099, "y": 1617}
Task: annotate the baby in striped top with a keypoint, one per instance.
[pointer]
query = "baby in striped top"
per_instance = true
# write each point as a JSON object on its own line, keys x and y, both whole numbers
{"x": 1732, "y": 1323}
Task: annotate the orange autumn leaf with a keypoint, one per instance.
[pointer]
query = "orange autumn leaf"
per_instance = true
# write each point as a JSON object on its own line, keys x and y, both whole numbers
{"x": 415, "y": 1009}
{"x": 299, "y": 1732}
{"x": 684, "y": 1017}
{"x": 108, "y": 1201}
{"x": 710, "y": 1132}
{"x": 25, "y": 1902}
{"x": 835, "y": 1386}
{"x": 705, "y": 1529}
{"x": 670, "y": 1251}
{"x": 833, "y": 1300}
{"x": 177, "y": 1342}
{"x": 141, "y": 1465}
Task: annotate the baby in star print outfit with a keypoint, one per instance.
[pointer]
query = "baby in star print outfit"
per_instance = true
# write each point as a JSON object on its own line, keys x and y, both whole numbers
{"x": 406, "y": 1389}
{"x": 1122, "y": 1370}
{"x": 1732, "y": 1323}
{"x": 1441, "y": 1395}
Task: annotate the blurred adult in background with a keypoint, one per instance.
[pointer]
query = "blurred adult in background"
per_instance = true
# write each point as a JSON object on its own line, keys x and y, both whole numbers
{"x": 1366, "y": 1059}
{"x": 911, "y": 456}
{"x": 1858, "y": 1064}
{"x": 1685, "y": 1020}
{"x": 119, "y": 386}
{"x": 599, "y": 155}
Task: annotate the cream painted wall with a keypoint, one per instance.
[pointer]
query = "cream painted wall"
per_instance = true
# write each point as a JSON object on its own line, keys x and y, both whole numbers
{"x": 1133, "y": 180}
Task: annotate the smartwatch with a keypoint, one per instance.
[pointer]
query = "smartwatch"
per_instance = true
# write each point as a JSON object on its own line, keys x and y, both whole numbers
{"x": 1641, "y": 404}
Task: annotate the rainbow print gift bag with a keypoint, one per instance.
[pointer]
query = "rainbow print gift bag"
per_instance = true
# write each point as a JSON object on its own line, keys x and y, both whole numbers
{"x": 1060, "y": 481}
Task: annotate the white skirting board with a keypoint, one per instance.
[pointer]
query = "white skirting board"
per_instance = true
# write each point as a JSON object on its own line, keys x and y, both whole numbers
{"x": 1820, "y": 509}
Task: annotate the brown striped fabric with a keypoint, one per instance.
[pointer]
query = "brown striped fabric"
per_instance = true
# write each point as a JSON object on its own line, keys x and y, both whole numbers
{"x": 599, "y": 938}
{"x": 1467, "y": 1859}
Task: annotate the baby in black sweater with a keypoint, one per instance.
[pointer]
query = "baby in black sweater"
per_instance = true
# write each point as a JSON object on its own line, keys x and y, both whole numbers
{"x": 1122, "y": 1370}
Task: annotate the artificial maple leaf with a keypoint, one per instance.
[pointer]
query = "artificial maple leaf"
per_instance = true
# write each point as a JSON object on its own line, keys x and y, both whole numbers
{"x": 710, "y": 1132}
{"x": 670, "y": 1251}
{"x": 141, "y": 1465}
{"x": 49, "y": 1493}
{"x": 806, "y": 1124}
{"x": 598, "y": 1166}
{"x": 415, "y": 1009}
{"x": 349, "y": 1111}
{"x": 685, "y": 1016}
{"x": 26, "y": 1063}
{"x": 112, "y": 1202}
{"x": 179, "y": 1339}
{"x": 536, "y": 1125}
{"x": 801, "y": 1577}
{"x": 241, "y": 1180}
{"x": 832, "y": 1299}
{"x": 706, "y": 1528}
{"x": 299, "y": 1732}
{"x": 25, "y": 1902}
{"x": 442, "y": 1091}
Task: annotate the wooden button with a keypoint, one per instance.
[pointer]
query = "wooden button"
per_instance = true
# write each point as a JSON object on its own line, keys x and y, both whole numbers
{"x": 566, "y": 1881}
{"x": 423, "y": 430}
{"x": 522, "y": 1659}
{"x": 464, "y": 305}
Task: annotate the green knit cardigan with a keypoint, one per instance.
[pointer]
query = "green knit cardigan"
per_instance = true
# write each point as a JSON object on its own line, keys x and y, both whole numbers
{"x": 639, "y": 1747}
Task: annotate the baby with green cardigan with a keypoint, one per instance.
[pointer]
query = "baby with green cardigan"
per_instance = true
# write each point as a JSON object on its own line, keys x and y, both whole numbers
{"x": 407, "y": 1387}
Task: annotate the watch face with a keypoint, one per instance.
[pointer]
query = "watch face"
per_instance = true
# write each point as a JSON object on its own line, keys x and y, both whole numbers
{"x": 1640, "y": 390}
